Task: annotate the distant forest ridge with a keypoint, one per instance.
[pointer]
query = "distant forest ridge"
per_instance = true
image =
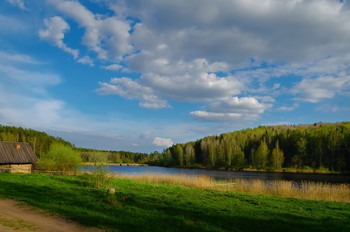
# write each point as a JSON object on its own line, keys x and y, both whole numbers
{"x": 40, "y": 142}
{"x": 306, "y": 146}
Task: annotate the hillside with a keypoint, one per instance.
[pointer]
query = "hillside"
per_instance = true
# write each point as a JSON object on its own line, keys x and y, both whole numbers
{"x": 308, "y": 146}
{"x": 40, "y": 142}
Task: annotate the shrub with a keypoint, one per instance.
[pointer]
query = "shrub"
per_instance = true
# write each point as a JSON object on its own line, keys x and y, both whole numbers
{"x": 59, "y": 158}
{"x": 99, "y": 176}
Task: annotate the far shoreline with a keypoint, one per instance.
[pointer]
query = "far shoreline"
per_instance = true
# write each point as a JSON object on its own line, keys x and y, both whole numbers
{"x": 283, "y": 170}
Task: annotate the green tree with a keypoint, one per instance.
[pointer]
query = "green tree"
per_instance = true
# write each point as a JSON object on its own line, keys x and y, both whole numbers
{"x": 189, "y": 154}
{"x": 238, "y": 159}
{"x": 260, "y": 157}
{"x": 60, "y": 158}
{"x": 179, "y": 154}
{"x": 276, "y": 157}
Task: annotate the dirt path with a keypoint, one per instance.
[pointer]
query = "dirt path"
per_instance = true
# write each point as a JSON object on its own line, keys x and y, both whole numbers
{"x": 18, "y": 217}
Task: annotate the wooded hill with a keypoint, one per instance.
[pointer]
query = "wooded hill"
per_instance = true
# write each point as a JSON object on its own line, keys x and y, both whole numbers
{"x": 40, "y": 142}
{"x": 314, "y": 146}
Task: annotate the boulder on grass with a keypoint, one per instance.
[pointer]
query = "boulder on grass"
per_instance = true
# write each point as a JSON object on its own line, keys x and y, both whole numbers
{"x": 111, "y": 190}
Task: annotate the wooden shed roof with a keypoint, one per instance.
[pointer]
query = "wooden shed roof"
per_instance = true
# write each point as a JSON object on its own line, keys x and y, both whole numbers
{"x": 16, "y": 153}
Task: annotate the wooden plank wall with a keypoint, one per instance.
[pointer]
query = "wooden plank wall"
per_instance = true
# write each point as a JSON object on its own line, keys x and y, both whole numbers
{"x": 16, "y": 168}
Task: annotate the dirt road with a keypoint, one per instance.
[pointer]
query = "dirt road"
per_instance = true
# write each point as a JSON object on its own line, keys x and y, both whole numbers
{"x": 19, "y": 217}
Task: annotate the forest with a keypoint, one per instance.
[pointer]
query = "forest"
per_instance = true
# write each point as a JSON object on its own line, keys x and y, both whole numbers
{"x": 322, "y": 146}
{"x": 309, "y": 146}
{"x": 40, "y": 142}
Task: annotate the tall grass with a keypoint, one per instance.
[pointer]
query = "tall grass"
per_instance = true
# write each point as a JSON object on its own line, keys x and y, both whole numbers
{"x": 196, "y": 181}
{"x": 304, "y": 190}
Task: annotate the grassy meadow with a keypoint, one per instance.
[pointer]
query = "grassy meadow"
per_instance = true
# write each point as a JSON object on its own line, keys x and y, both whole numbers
{"x": 162, "y": 205}
{"x": 305, "y": 190}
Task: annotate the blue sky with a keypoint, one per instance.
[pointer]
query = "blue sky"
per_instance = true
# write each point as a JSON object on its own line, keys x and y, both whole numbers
{"x": 141, "y": 75}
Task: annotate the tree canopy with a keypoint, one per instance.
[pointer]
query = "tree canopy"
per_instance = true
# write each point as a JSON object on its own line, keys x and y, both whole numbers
{"x": 319, "y": 145}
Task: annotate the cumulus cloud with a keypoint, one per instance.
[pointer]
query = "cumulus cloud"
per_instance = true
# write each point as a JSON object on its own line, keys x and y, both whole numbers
{"x": 208, "y": 51}
{"x": 113, "y": 67}
{"x": 56, "y": 27}
{"x": 107, "y": 36}
{"x": 180, "y": 52}
{"x": 245, "y": 108}
{"x": 162, "y": 142}
{"x": 86, "y": 60}
{"x": 130, "y": 89}
{"x": 228, "y": 30}
{"x": 187, "y": 82}
{"x": 315, "y": 90}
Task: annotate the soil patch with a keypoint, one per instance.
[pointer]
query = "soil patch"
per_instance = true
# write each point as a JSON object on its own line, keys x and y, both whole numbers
{"x": 19, "y": 217}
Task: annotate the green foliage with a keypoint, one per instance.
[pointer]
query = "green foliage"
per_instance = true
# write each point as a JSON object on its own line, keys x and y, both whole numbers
{"x": 99, "y": 175}
{"x": 60, "y": 158}
{"x": 115, "y": 156}
{"x": 143, "y": 207}
{"x": 260, "y": 156}
{"x": 316, "y": 145}
{"x": 39, "y": 141}
{"x": 276, "y": 158}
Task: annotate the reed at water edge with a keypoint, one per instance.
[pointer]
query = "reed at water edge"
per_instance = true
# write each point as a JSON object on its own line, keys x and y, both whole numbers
{"x": 305, "y": 190}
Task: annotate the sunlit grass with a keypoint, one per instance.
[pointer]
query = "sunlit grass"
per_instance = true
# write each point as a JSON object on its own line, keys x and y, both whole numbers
{"x": 304, "y": 190}
{"x": 197, "y": 181}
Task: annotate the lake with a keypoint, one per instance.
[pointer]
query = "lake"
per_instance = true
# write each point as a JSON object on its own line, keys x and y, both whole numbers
{"x": 228, "y": 175}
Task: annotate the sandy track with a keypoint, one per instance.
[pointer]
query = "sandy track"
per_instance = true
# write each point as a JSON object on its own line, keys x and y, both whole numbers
{"x": 18, "y": 217}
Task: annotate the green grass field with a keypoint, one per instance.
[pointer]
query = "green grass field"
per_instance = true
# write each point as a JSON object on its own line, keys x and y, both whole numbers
{"x": 139, "y": 206}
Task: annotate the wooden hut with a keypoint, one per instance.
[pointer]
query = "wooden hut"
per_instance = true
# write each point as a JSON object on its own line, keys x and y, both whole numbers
{"x": 16, "y": 157}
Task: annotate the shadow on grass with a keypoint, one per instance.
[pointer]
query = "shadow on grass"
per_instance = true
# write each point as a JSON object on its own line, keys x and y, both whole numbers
{"x": 130, "y": 210}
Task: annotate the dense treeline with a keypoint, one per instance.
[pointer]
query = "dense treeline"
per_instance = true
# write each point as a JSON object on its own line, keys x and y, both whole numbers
{"x": 40, "y": 141}
{"x": 91, "y": 155}
{"x": 317, "y": 146}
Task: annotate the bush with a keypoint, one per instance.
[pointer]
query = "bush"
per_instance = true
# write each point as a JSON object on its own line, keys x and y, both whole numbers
{"x": 99, "y": 175}
{"x": 60, "y": 158}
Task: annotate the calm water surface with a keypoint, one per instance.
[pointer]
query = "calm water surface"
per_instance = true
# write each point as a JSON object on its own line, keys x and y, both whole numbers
{"x": 227, "y": 175}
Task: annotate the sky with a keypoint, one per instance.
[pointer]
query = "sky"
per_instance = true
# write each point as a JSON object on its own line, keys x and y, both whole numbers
{"x": 141, "y": 75}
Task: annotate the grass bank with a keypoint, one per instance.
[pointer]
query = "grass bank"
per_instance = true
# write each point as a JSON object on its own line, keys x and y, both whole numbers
{"x": 142, "y": 206}
{"x": 305, "y": 190}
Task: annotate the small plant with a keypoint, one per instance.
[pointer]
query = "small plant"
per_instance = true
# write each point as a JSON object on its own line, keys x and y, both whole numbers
{"x": 99, "y": 176}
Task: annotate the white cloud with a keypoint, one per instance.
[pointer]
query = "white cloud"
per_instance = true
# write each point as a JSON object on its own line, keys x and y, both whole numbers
{"x": 236, "y": 31}
{"x": 315, "y": 90}
{"x": 186, "y": 50}
{"x": 162, "y": 142}
{"x": 245, "y": 108}
{"x": 56, "y": 27}
{"x": 86, "y": 60}
{"x": 7, "y": 57}
{"x": 288, "y": 108}
{"x": 107, "y": 36}
{"x": 18, "y": 3}
{"x": 130, "y": 89}
{"x": 113, "y": 67}
{"x": 181, "y": 50}
{"x": 187, "y": 82}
